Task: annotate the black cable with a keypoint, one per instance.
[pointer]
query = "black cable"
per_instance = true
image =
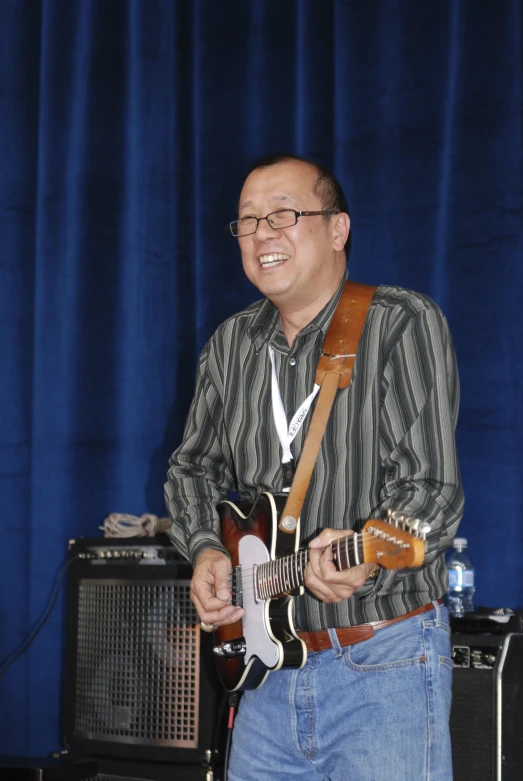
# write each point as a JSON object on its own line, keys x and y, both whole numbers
{"x": 39, "y": 618}
{"x": 219, "y": 724}
{"x": 17, "y": 652}
{"x": 234, "y": 698}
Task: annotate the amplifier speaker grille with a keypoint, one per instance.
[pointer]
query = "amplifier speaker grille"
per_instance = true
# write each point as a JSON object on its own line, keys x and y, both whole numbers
{"x": 486, "y": 720}
{"x": 137, "y": 662}
{"x": 139, "y": 676}
{"x": 472, "y": 724}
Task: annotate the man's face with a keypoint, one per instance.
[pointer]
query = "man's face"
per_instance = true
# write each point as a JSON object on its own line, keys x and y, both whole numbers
{"x": 291, "y": 266}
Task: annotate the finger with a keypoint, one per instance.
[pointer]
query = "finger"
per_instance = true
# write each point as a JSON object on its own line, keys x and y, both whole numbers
{"x": 221, "y": 570}
{"x": 326, "y": 582}
{"x": 317, "y": 586}
{"x": 322, "y": 575}
{"x": 314, "y": 563}
{"x": 353, "y": 577}
{"x": 203, "y": 594}
{"x": 327, "y": 568}
{"x": 218, "y": 616}
{"x": 326, "y": 594}
{"x": 327, "y": 536}
{"x": 226, "y": 617}
{"x": 211, "y": 578}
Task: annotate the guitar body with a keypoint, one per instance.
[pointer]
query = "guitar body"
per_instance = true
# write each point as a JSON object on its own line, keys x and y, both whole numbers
{"x": 269, "y": 569}
{"x": 267, "y": 628}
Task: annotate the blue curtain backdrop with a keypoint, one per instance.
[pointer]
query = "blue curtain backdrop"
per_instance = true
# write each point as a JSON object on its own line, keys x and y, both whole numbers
{"x": 126, "y": 128}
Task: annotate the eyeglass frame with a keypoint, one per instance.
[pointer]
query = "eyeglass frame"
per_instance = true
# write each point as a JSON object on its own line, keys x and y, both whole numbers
{"x": 296, "y": 213}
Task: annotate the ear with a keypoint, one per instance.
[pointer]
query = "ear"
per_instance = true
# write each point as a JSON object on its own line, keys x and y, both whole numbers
{"x": 341, "y": 230}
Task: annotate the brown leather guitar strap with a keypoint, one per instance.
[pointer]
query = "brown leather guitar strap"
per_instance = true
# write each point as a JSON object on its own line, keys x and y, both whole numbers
{"x": 334, "y": 371}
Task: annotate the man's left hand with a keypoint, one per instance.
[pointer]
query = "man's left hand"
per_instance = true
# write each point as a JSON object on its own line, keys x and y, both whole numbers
{"x": 323, "y": 579}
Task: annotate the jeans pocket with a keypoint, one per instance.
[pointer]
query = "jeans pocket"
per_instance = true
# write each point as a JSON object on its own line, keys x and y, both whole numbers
{"x": 395, "y": 646}
{"x": 437, "y": 635}
{"x": 444, "y": 681}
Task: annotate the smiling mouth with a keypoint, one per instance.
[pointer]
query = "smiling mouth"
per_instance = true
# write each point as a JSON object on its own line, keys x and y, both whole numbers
{"x": 272, "y": 259}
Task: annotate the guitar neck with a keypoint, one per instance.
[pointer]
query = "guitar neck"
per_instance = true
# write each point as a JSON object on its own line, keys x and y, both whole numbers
{"x": 278, "y": 577}
{"x": 396, "y": 543}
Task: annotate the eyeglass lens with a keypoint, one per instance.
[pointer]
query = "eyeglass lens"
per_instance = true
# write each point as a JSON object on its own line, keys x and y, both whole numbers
{"x": 283, "y": 218}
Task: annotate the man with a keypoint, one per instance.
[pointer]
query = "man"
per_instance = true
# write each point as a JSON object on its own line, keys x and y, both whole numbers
{"x": 363, "y": 711}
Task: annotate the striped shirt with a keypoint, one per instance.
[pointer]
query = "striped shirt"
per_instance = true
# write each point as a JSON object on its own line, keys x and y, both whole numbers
{"x": 389, "y": 441}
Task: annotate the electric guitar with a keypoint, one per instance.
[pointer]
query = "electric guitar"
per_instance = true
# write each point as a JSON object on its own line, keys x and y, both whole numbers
{"x": 268, "y": 571}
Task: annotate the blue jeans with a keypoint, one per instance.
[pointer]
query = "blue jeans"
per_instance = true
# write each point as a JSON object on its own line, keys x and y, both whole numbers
{"x": 375, "y": 711}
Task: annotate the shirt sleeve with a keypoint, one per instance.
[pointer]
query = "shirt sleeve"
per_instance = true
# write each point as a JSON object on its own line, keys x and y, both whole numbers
{"x": 200, "y": 475}
{"x": 417, "y": 429}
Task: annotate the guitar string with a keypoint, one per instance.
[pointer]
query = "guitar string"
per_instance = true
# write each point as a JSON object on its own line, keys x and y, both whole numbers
{"x": 364, "y": 537}
{"x": 273, "y": 587}
{"x": 303, "y": 552}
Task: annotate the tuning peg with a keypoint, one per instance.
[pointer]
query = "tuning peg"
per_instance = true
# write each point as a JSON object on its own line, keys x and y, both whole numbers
{"x": 393, "y": 517}
{"x": 399, "y": 519}
{"x": 424, "y": 529}
{"x": 419, "y": 528}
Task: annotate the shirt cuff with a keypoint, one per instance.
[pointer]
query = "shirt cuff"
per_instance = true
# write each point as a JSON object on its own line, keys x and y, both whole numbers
{"x": 204, "y": 540}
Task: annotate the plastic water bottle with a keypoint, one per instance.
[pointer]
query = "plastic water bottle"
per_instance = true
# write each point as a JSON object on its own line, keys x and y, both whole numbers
{"x": 461, "y": 579}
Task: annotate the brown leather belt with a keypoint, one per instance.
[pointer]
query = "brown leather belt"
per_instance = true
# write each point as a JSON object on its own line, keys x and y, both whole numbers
{"x": 350, "y": 635}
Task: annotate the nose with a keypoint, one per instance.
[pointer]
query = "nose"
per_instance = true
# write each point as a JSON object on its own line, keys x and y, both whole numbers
{"x": 264, "y": 230}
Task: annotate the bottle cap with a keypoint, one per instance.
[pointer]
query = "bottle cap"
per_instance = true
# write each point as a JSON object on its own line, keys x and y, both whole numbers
{"x": 460, "y": 543}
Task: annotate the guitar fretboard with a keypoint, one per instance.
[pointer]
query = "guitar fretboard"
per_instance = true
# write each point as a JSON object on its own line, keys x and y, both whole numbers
{"x": 278, "y": 577}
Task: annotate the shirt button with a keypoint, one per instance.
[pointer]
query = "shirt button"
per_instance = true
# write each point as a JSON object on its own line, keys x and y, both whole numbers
{"x": 292, "y": 361}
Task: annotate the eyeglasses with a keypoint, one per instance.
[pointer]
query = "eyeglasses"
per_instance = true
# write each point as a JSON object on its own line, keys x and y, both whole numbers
{"x": 283, "y": 218}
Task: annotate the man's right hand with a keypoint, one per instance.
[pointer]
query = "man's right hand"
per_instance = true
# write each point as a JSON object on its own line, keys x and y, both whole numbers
{"x": 210, "y": 590}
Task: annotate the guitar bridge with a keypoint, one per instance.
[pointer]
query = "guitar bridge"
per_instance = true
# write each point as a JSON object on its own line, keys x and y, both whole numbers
{"x": 236, "y": 586}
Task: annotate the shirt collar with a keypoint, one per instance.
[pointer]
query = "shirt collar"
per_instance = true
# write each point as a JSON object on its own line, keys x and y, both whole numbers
{"x": 267, "y": 320}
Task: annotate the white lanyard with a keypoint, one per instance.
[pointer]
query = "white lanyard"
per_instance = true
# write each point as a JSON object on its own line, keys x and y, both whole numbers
{"x": 280, "y": 419}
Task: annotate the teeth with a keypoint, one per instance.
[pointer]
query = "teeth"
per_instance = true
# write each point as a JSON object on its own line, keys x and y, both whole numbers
{"x": 273, "y": 257}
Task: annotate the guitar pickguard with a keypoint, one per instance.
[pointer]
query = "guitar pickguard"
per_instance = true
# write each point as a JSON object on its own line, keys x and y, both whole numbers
{"x": 266, "y": 630}
{"x": 258, "y": 640}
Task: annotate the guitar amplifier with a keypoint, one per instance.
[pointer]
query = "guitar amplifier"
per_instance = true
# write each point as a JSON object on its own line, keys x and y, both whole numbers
{"x": 140, "y": 675}
{"x": 486, "y": 721}
{"x": 121, "y": 770}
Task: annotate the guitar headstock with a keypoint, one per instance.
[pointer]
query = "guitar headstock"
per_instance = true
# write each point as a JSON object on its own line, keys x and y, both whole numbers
{"x": 396, "y": 543}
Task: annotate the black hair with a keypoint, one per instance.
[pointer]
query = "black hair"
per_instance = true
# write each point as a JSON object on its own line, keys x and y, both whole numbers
{"x": 327, "y": 187}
